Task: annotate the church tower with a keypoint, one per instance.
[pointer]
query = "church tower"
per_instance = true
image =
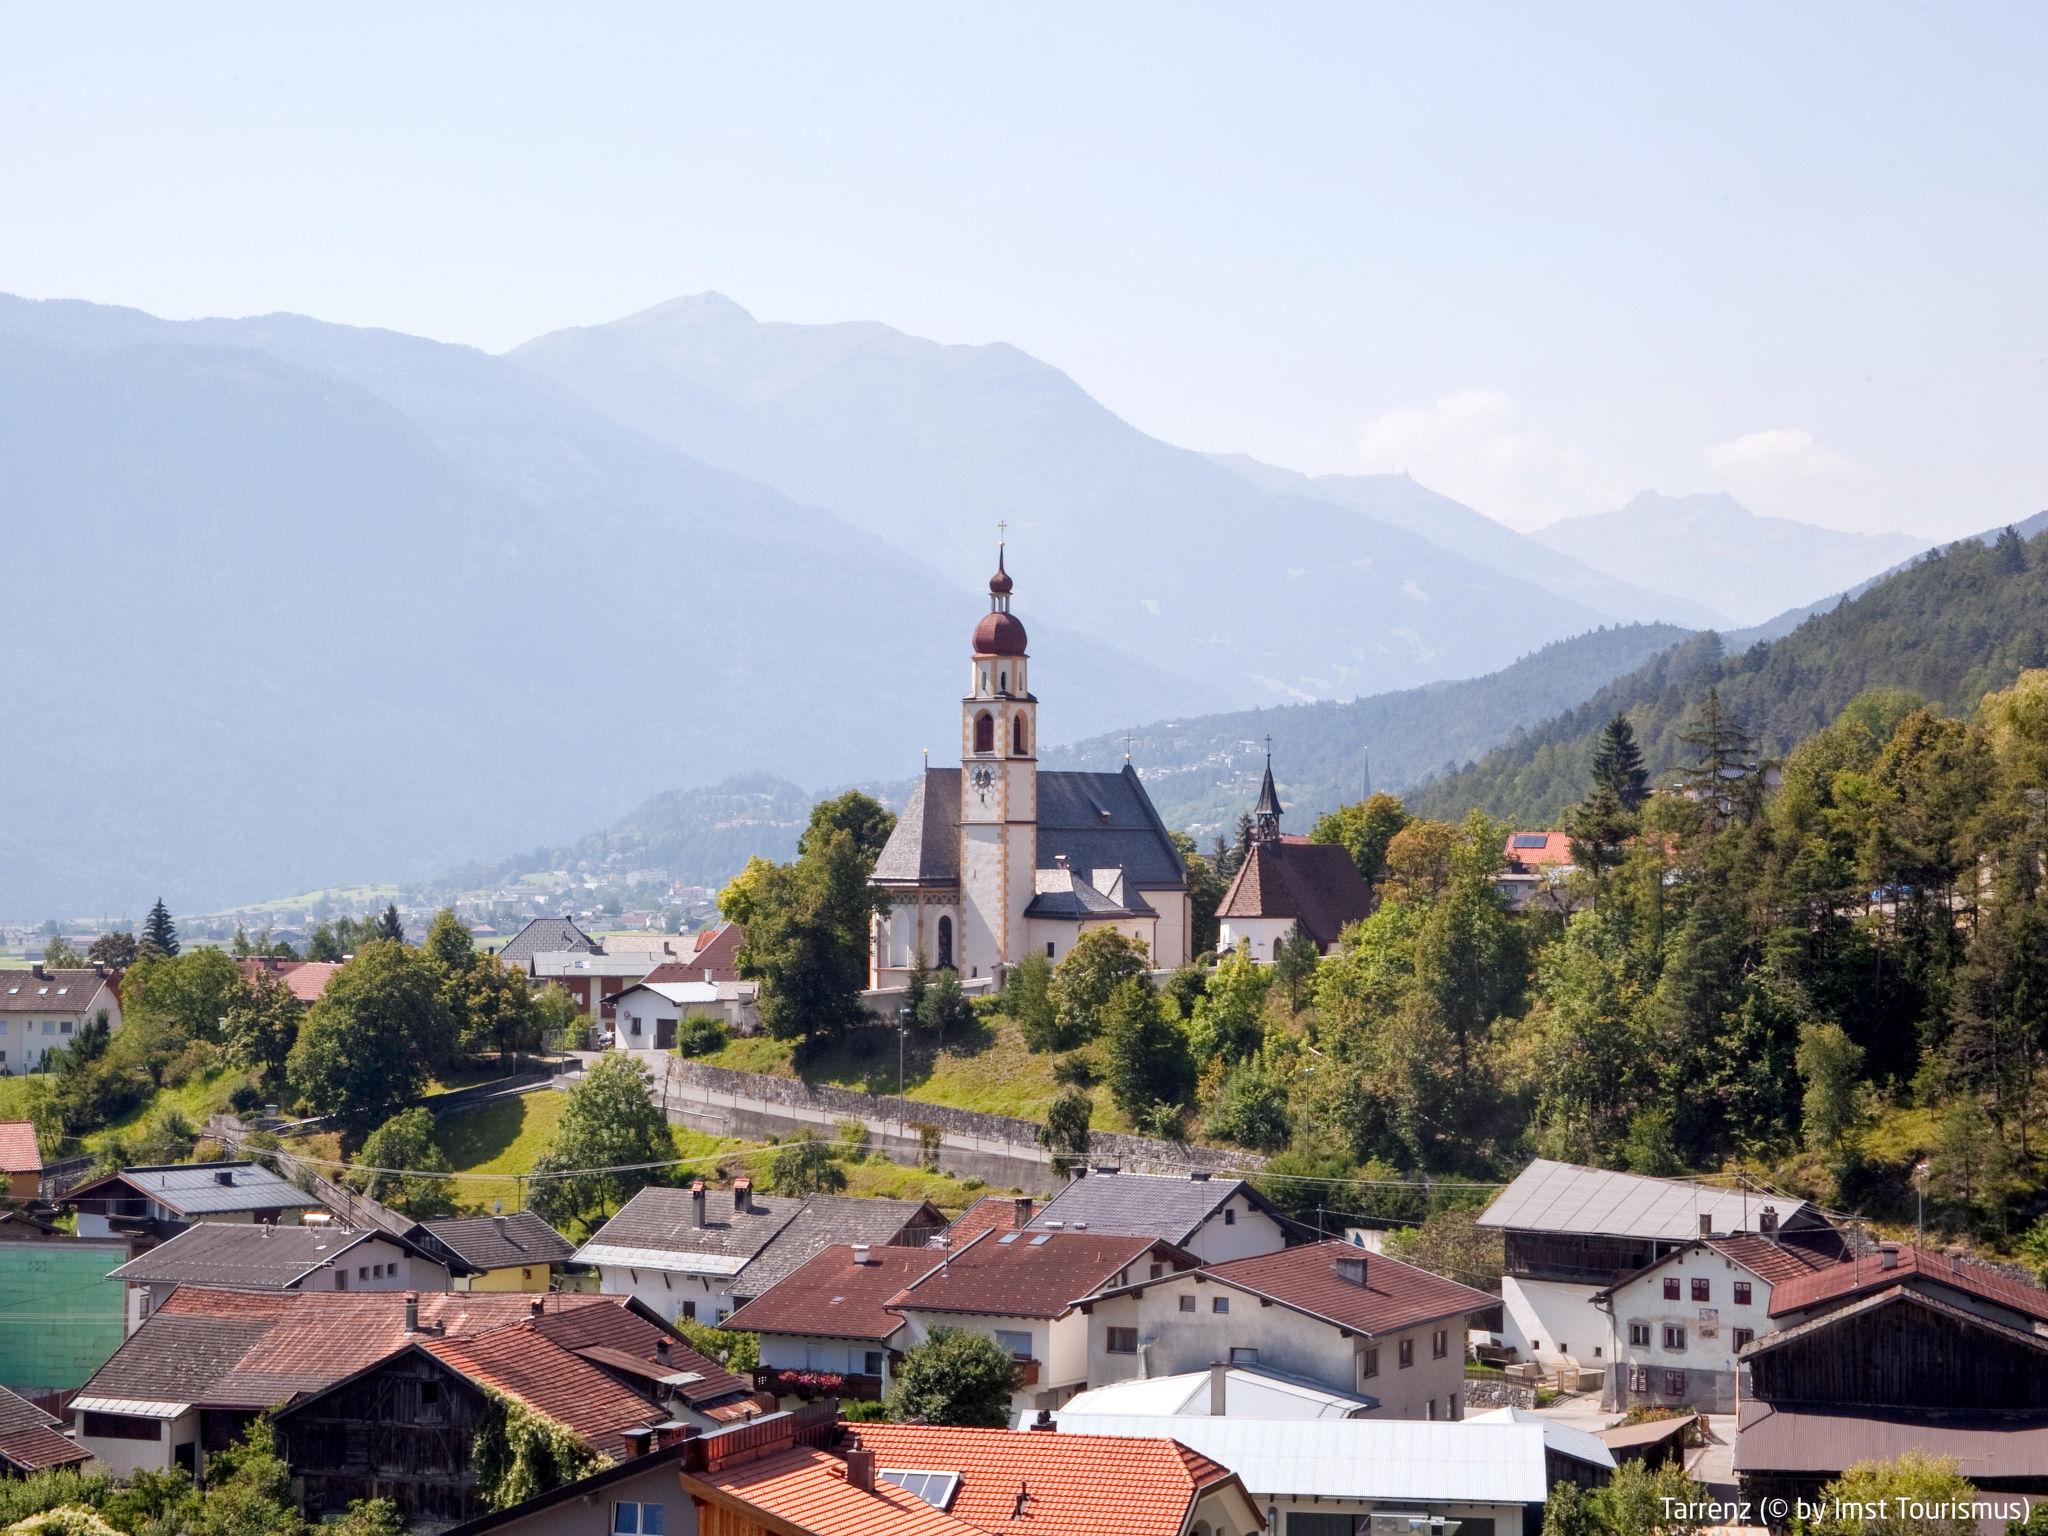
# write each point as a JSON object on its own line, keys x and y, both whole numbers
{"x": 998, "y": 790}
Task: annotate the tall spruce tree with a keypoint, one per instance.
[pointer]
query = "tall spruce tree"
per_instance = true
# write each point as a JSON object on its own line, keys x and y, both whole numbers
{"x": 388, "y": 925}
{"x": 159, "y": 933}
{"x": 1618, "y": 764}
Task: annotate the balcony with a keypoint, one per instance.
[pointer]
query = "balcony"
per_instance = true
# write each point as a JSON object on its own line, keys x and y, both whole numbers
{"x": 809, "y": 1386}
{"x": 1027, "y": 1370}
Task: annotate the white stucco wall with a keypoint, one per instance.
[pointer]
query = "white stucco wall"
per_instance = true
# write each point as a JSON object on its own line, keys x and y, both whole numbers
{"x": 124, "y": 1457}
{"x": 1543, "y": 1315}
{"x": 667, "y": 1290}
{"x": 1060, "y": 1346}
{"x": 797, "y": 1352}
{"x": 1710, "y": 1325}
{"x": 1238, "y": 1231}
{"x": 1263, "y": 933}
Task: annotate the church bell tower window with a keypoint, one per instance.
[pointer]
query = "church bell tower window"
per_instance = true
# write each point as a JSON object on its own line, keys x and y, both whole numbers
{"x": 984, "y": 732}
{"x": 945, "y": 944}
{"x": 1017, "y": 736}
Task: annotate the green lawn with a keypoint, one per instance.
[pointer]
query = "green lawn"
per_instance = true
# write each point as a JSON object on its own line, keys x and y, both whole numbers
{"x": 988, "y": 1068}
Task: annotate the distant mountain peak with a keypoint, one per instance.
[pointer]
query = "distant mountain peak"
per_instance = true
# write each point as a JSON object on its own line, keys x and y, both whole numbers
{"x": 707, "y": 308}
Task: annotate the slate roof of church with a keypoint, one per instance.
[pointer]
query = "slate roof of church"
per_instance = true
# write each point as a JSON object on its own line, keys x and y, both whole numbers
{"x": 1316, "y": 884}
{"x": 1098, "y": 820}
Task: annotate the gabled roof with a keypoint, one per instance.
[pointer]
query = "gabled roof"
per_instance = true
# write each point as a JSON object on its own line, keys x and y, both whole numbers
{"x": 657, "y": 1229}
{"x": 1249, "y": 1392}
{"x": 991, "y": 1213}
{"x": 18, "y": 1150}
{"x": 1393, "y": 1298}
{"x": 201, "y": 1189}
{"x": 1536, "y": 850}
{"x": 630, "y": 966}
{"x": 500, "y": 1242}
{"x": 1168, "y": 1206}
{"x": 805, "y": 1491}
{"x": 1030, "y": 1274}
{"x": 544, "y": 935}
{"x": 1915, "y": 1268}
{"x": 1772, "y": 1263}
{"x": 923, "y": 848}
{"x": 63, "y": 990}
{"x": 717, "y": 951}
{"x": 1073, "y": 1484}
{"x": 830, "y": 1296}
{"x": 1066, "y": 894}
{"x": 1316, "y": 884}
{"x": 823, "y": 1220}
{"x": 1563, "y": 1197}
{"x": 1579, "y": 1444}
{"x": 306, "y": 980}
{"x": 29, "y": 1437}
{"x": 525, "y": 1364}
{"x": 240, "y": 1256}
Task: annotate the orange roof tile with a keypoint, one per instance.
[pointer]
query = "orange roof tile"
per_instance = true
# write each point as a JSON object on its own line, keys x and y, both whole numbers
{"x": 18, "y": 1150}
{"x": 830, "y": 1296}
{"x": 807, "y": 1489}
{"x": 991, "y": 1213}
{"x": 1038, "y": 1274}
{"x": 524, "y": 1363}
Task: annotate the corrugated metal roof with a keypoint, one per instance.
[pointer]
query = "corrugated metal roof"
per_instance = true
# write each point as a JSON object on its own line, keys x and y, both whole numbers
{"x": 1579, "y": 1444}
{"x": 1247, "y": 1393}
{"x": 1562, "y": 1197}
{"x": 1385, "y": 1459}
{"x": 195, "y": 1189}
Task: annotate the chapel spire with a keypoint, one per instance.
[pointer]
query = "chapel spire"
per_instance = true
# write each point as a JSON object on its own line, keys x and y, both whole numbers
{"x": 1266, "y": 814}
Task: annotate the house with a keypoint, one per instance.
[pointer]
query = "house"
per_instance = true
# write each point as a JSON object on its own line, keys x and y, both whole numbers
{"x": 678, "y": 1250}
{"x": 1248, "y": 1391}
{"x": 32, "y": 1440}
{"x": 1571, "y": 1233}
{"x": 1571, "y": 1455}
{"x": 991, "y": 1213}
{"x": 713, "y": 955}
{"x": 589, "y": 978}
{"x": 1894, "y": 1352}
{"x": 158, "y": 1201}
{"x": 638, "y": 1494}
{"x": 1534, "y": 869}
{"x": 513, "y": 1252}
{"x": 825, "y": 1220}
{"x": 1346, "y": 1477}
{"x": 21, "y": 1161}
{"x": 994, "y": 860}
{"x": 1678, "y": 1325}
{"x": 831, "y": 1318}
{"x": 233, "y": 1256}
{"x": 43, "y": 1007}
{"x": 1026, "y": 1290}
{"x": 190, "y": 1379}
{"x": 1213, "y": 1218}
{"x": 306, "y": 980}
{"x": 1288, "y": 885}
{"x": 546, "y": 936}
{"x": 645, "y": 1015}
{"x": 63, "y": 1316}
{"x": 1327, "y": 1314}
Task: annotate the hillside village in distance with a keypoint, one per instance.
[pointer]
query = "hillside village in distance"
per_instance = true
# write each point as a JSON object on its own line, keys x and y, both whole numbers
{"x": 1008, "y": 1155}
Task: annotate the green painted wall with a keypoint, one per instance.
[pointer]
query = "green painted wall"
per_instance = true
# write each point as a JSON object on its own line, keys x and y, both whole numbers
{"x": 60, "y": 1316}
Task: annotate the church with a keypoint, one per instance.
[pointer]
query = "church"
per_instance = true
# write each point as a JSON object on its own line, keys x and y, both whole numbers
{"x": 994, "y": 860}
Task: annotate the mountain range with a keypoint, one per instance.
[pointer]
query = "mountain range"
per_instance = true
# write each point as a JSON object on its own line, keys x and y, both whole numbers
{"x": 324, "y": 604}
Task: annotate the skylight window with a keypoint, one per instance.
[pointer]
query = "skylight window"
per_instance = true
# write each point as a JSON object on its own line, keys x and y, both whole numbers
{"x": 1007, "y": 1237}
{"x": 935, "y": 1488}
{"x": 1041, "y": 1240}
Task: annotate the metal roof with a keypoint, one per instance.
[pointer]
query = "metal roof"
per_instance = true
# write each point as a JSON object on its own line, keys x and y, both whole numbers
{"x": 198, "y": 1189}
{"x": 1378, "y": 1459}
{"x": 1248, "y": 1392}
{"x": 1562, "y": 1197}
{"x": 1579, "y": 1444}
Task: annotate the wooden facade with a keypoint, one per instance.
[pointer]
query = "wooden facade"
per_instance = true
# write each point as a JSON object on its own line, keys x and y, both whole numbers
{"x": 1904, "y": 1354}
{"x": 401, "y": 1431}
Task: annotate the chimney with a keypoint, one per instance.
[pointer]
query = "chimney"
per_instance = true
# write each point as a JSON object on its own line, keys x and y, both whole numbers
{"x": 661, "y": 1350}
{"x": 861, "y": 1254}
{"x": 860, "y": 1469}
{"x": 696, "y": 1202}
{"x": 1219, "y": 1388}
{"x": 742, "y": 1195}
{"x": 1350, "y": 1269}
{"x": 1706, "y": 1224}
{"x": 1021, "y": 1209}
{"x": 38, "y": 972}
{"x": 224, "y": 1175}
{"x": 1200, "y": 1175}
{"x": 1887, "y": 1255}
{"x": 537, "y": 1306}
{"x": 1044, "y": 1421}
{"x": 1767, "y": 1223}
{"x": 499, "y": 1220}
{"x": 638, "y": 1441}
{"x": 412, "y": 1311}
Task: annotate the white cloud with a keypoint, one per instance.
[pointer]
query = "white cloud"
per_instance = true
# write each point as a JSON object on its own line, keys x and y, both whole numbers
{"x": 1776, "y": 453}
{"x": 1412, "y": 588}
{"x": 1474, "y": 446}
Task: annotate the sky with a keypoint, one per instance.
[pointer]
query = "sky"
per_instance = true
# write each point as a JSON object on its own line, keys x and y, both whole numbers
{"x": 1540, "y": 257}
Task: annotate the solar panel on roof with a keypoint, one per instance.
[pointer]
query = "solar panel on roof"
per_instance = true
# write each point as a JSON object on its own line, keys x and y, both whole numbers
{"x": 1530, "y": 840}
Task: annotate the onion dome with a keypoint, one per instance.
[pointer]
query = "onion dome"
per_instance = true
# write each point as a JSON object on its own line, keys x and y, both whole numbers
{"x": 999, "y": 584}
{"x": 1000, "y": 632}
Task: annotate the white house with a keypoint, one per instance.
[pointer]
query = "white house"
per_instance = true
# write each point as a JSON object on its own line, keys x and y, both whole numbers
{"x": 645, "y": 1015}
{"x": 43, "y": 1008}
{"x": 832, "y": 1317}
{"x": 1327, "y": 1314}
{"x": 1214, "y": 1218}
{"x": 679, "y": 1250}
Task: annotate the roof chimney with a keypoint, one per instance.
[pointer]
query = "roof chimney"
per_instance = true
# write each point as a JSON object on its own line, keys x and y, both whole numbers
{"x": 1767, "y": 1222}
{"x": 743, "y": 1195}
{"x": 499, "y": 1220}
{"x": 1350, "y": 1268}
{"x": 861, "y": 1254}
{"x": 638, "y": 1441}
{"x": 661, "y": 1350}
{"x": 537, "y": 1306}
{"x": 412, "y": 1311}
{"x": 1887, "y": 1255}
{"x": 1021, "y": 1209}
{"x": 1706, "y": 1224}
{"x": 1219, "y": 1388}
{"x": 860, "y": 1468}
{"x": 696, "y": 1202}
{"x": 36, "y": 970}
{"x": 1044, "y": 1420}
{"x": 224, "y": 1175}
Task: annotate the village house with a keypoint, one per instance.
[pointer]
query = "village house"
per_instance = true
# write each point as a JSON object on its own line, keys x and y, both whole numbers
{"x": 158, "y": 1202}
{"x": 827, "y": 1329}
{"x": 32, "y": 1440}
{"x": 545, "y": 936}
{"x": 1678, "y": 1325}
{"x": 824, "y": 1220}
{"x": 508, "y": 1252}
{"x": 1213, "y": 1218}
{"x": 589, "y": 978}
{"x": 21, "y": 1160}
{"x": 645, "y": 1015}
{"x": 1894, "y": 1351}
{"x": 42, "y": 1009}
{"x": 306, "y": 980}
{"x": 1288, "y": 885}
{"x": 712, "y": 954}
{"x": 1329, "y": 1315}
{"x": 1241, "y": 1391}
{"x": 1572, "y": 1233}
{"x": 1027, "y": 1291}
{"x": 1535, "y": 867}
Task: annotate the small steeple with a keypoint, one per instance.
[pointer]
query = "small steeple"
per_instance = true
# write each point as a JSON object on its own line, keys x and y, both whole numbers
{"x": 1266, "y": 814}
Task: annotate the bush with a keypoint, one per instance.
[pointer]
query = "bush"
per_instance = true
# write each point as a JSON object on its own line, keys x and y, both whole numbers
{"x": 244, "y": 1099}
{"x": 1074, "y": 1070}
{"x": 701, "y": 1035}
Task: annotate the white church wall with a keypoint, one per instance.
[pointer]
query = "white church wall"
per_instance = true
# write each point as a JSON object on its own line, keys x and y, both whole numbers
{"x": 1263, "y": 932}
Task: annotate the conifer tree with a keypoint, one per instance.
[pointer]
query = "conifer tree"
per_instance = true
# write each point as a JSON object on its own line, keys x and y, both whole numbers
{"x": 1618, "y": 764}
{"x": 159, "y": 933}
{"x": 388, "y": 925}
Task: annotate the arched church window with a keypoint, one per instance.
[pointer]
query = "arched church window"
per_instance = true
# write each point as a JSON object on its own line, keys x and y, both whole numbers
{"x": 1017, "y": 735}
{"x": 946, "y": 939}
{"x": 984, "y": 732}
{"x": 1005, "y": 675}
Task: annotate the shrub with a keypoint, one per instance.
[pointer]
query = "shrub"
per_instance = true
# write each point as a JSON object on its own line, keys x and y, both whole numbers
{"x": 701, "y": 1035}
{"x": 1074, "y": 1070}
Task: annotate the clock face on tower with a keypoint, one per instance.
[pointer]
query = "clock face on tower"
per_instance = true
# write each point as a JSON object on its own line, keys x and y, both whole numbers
{"x": 984, "y": 783}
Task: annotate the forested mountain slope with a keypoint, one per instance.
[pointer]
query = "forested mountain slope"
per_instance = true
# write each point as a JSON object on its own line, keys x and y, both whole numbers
{"x": 1956, "y": 624}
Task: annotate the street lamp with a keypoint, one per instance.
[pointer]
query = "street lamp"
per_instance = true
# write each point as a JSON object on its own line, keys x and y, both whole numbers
{"x": 902, "y": 1034}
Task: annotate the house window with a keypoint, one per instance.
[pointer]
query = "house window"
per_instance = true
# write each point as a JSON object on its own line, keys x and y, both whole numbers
{"x": 1123, "y": 1341}
{"x": 1674, "y": 1336}
{"x": 1220, "y": 1304}
{"x": 690, "y": 1311}
{"x": 1671, "y": 1288}
{"x": 1243, "y": 1355}
{"x": 1674, "y": 1383}
{"x": 1015, "y": 1345}
{"x": 1639, "y": 1335}
{"x": 1049, "y": 951}
{"x": 1742, "y": 1293}
{"x": 630, "y": 1519}
{"x": 1429, "y": 1410}
{"x": 1158, "y": 1270}
{"x": 1407, "y": 1353}
{"x": 1744, "y": 1337}
{"x": 1187, "y": 1303}
{"x": 1439, "y": 1344}
{"x": 1369, "y": 1363}
{"x": 871, "y": 1362}
{"x": 1230, "y": 1216}
{"x": 1702, "y": 1290}
{"x": 1017, "y": 735}
{"x": 1639, "y": 1378}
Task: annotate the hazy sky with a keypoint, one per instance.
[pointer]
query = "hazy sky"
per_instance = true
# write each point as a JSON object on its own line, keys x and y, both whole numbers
{"x": 1541, "y": 256}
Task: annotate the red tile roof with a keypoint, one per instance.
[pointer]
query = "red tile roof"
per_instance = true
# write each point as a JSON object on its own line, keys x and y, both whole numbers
{"x": 1394, "y": 1297}
{"x": 717, "y": 951}
{"x": 807, "y": 1489}
{"x": 18, "y": 1150}
{"x": 525, "y": 1364}
{"x": 1917, "y": 1267}
{"x": 29, "y": 1440}
{"x": 1038, "y": 1274}
{"x": 833, "y": 1297}
{"x": 1556, "y": 848}
{"x": 1076, "y": 1485}
{"x": 306, "y": 980}
{"x": 1316, "y": 884}
{"x": 991, "y": 1213}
